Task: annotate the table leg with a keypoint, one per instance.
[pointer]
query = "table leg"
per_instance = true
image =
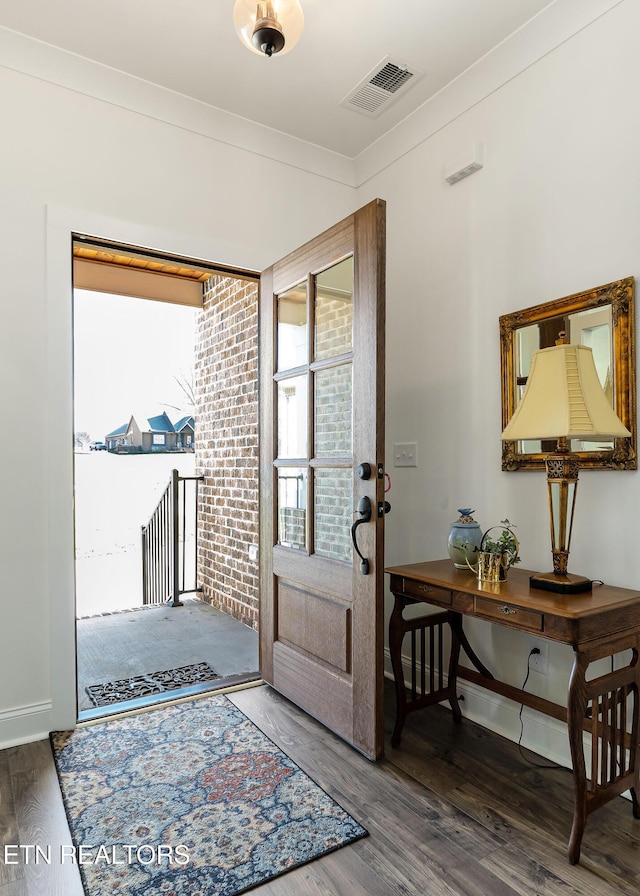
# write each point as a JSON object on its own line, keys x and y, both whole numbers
{"x": 468, "y": 649}
{"x": 458, "y": 638}
{"x": 426, "y": 690}
{"x": 576, "y": 711}
{"x": 608, "y": 707}
{"x": 396, "y": 636}
{"x": 634, "y": 802}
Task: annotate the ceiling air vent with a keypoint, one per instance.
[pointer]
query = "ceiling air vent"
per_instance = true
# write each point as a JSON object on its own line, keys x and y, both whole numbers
{"x": 374, "y": 93}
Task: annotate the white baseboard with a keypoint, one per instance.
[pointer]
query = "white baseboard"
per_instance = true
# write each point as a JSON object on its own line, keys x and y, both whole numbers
{"x": 24, "y": 724}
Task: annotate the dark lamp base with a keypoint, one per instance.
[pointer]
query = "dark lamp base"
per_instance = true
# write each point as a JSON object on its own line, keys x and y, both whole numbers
{"x": 567, "y": 584}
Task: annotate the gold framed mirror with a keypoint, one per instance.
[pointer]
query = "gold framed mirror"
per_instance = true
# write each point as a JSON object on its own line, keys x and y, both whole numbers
{"x": 602, "y": 318}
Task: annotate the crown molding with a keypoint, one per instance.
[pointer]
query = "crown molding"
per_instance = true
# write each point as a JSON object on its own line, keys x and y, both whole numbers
{"x": 84, "y": 76}
{"x": 554, "y": 25}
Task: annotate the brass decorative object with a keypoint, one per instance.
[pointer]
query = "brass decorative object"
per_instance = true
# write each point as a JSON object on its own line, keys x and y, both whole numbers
{"x": 496, "y": 556}
{"x": 551, "y": 318}
{"x": 491, "y": 567}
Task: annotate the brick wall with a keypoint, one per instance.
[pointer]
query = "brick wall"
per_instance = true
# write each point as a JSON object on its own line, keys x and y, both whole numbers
{"x": 226, "y": 445}
{"x": 333, "y": 499}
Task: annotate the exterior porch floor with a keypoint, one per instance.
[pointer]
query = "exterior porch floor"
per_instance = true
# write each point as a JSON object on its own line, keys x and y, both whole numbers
{"x": 144, "y": 640}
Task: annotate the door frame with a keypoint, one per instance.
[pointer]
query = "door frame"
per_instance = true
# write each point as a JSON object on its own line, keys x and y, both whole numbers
{"x": 61, "y": 224}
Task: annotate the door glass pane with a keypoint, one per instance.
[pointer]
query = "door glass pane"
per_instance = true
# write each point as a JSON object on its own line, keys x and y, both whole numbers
{"x": 334, "y": 310}
{"x": 333, "y": 425}
{"x": 293, "y": 403}
{"x": 292, "y": 335}
{"x": 333, "y": 512}
{"x": 292, "y": 502}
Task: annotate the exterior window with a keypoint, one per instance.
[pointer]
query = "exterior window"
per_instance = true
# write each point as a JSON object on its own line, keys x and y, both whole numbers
{"x": 158, "y": 438}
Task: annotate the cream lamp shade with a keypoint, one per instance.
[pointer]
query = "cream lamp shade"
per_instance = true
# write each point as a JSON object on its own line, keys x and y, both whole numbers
{"x": 563, "y": 398}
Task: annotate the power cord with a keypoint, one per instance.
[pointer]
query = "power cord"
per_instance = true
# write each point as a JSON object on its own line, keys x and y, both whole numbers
{"x": 532, "y": 652}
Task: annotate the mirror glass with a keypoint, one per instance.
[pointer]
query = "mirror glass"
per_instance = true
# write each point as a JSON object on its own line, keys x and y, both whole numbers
{"x": 602, "y": 319}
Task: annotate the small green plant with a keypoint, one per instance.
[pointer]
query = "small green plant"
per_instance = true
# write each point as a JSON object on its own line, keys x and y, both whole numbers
{"x": 505, "y": 543}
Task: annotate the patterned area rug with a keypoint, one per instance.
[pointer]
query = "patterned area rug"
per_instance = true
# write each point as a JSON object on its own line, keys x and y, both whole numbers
{"x": 154, "y": 683}
{"x": 189, "y": 799}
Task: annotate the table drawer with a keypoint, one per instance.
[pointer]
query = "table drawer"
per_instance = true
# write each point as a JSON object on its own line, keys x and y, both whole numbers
{"x": 424, "y": 591}
{"x": 528, "y": 620}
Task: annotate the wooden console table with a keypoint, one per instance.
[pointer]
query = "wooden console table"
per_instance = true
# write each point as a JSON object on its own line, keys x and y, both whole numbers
{"x": 598, "y": 624}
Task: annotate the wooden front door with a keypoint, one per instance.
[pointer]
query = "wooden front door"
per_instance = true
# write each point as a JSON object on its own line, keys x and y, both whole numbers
{"x": 322, "y": 312}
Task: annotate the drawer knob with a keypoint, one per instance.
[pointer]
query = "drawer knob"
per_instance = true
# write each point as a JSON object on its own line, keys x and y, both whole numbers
{"x": 425, "y": 588}
{"x": 508, "y": 611}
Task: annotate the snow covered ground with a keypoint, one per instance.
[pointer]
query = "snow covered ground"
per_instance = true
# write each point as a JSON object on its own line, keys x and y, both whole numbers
{"x": 115, "y": 496}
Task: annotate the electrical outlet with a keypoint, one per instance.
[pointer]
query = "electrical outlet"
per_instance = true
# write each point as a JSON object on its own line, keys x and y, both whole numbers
{"x": 538, "y": 661}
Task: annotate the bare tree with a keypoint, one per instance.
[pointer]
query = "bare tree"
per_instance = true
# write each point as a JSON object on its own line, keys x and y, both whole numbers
{"x": 81, "y": 440}
{"x": 187, "y": 387}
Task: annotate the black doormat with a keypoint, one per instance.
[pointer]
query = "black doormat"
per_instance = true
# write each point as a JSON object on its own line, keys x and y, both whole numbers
{"x": 154, "y": 683}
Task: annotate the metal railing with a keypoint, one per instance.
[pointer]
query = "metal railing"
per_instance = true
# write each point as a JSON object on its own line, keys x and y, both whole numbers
{"x": 166, "y": 560}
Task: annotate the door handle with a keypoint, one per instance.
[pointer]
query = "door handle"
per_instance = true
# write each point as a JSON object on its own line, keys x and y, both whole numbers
{"x": 383, "y": 507}
{"x": 364, "y": 509}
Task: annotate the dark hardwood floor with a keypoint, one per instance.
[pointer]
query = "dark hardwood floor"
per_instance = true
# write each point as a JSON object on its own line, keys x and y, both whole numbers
{"x": 455, "y": 811}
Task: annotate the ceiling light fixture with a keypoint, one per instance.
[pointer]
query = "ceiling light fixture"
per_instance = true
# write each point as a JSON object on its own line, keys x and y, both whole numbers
{"x": 268, "y": 27}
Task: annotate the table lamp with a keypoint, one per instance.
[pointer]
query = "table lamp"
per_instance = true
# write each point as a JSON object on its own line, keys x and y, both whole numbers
{"x": 563, "y": 400}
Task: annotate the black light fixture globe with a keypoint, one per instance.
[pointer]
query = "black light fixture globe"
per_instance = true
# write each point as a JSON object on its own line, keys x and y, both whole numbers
{"x": 268, "y": 27}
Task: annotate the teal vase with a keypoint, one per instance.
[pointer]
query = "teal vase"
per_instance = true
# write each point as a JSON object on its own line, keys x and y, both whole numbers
{"x": 465, "y": 538}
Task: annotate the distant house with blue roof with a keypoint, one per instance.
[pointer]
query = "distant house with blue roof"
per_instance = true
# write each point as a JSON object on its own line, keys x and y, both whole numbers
{"x": 113, "y": 437}
{"x": 185, "y": 431}
{"x": 153, "y": 434}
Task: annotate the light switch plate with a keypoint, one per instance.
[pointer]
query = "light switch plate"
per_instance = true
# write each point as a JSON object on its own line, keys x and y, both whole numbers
{"x": 405, "y": 454}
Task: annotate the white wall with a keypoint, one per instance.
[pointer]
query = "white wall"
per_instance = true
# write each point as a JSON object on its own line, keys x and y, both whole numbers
{"x": 67, "y": 162}
{"x": 554, "y": 211}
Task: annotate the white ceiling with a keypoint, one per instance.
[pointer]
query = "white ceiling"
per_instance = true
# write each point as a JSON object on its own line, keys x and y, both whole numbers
{"x": 190, "y": 47}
